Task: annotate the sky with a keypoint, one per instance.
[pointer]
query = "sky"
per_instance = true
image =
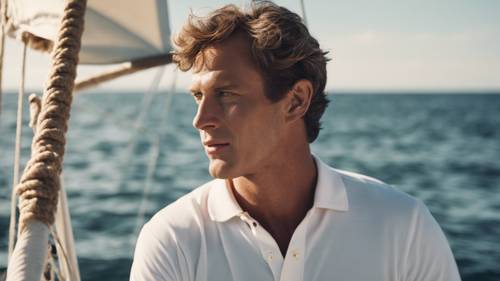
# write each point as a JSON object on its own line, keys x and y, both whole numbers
{"x": 374, "y": 45}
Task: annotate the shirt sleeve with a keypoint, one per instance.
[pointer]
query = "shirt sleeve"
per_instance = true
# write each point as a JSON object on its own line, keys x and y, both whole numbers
{"x": 155, "y": 259}
{"x": 429, "y": 257}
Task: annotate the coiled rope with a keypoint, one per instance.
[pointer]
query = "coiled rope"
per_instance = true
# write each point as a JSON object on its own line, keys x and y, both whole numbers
{"x": 40, "y": 182}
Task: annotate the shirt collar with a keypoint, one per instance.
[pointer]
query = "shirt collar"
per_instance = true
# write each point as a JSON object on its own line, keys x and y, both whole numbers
{"x": 330, "y": 189}
{"x": 222, "y": 205}
{"x": 330, "y": 194}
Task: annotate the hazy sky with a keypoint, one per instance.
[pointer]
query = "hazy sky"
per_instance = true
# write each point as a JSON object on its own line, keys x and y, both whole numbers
{"x": 374, "y": 45}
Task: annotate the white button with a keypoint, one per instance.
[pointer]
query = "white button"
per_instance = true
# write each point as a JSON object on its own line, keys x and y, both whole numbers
{"x": 248, "y": 220}
{"x": 270, "y": 256}
{"x": 296, "y": 254}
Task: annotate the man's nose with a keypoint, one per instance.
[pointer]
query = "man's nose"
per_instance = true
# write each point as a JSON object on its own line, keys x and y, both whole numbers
{"x": 207, "y": 115}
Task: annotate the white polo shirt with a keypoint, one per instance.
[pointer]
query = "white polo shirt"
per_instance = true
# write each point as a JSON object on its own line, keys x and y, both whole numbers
{"x": 358, "y": 229}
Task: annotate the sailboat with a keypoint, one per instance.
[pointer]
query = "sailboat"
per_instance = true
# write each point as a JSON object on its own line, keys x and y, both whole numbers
{"x": 133, "y": 34}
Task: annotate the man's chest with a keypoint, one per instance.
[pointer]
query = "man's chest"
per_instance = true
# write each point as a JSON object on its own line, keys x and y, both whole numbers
{"x": 323, "y": 253}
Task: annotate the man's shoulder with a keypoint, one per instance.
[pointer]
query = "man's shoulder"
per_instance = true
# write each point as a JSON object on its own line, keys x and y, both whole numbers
{"x": 170, "y": 242}
{"x": 404, "y": 223}
{"x": 385, "y": 206}
{"x": 186, "y": 213}
{"x": 375, "y": 195}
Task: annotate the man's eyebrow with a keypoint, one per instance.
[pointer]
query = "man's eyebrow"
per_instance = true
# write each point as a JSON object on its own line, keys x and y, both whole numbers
{"x": 226, "y": 87}
{"x": 218, "y": 86}
{"x": 225, "y": 82}
{"x": 194, "y": 90}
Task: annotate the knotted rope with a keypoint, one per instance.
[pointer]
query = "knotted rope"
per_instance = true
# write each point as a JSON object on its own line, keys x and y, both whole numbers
{"x": 40, "y": 183}
{"x": 37, "y": 43}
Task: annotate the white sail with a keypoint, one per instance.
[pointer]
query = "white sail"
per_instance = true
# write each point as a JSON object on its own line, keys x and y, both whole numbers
{"x": 115, "y": 31}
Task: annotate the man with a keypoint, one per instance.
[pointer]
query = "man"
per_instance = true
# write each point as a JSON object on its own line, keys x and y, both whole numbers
{"x": 274, "y": 211}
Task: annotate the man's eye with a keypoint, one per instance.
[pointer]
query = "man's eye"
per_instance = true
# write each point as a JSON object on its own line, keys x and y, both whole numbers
{"x": 223, "y": 94}
{"x": 197, "y": 96}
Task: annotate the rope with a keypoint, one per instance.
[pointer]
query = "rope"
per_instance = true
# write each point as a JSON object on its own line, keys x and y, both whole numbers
{"x": 17, "y": 155}
{"x": 38, "y": 43}
{"x": 62, "y": 235}
{"x": 35, "y": 106}
{"x": 3, "y": 21}
{"x": 303, "y": 9}
{"x": 124, "y": 69}
{"x": 34, "y": 110}
{"x": 65, "y": 256}
{"x": 40, "y": 182}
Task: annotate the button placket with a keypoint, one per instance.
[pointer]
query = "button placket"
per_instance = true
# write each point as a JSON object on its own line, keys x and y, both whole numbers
{"x": 293, "y": 264}
{"x": 270, "y": 256}
{"x": 268, "y": 247}
{"x": 296, "y": 254}
{"x": 244, "y": 216}
{"x": 270, "y": 251}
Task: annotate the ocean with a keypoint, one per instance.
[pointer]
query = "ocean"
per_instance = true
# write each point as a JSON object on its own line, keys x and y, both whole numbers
{"x": 121, "y": 166}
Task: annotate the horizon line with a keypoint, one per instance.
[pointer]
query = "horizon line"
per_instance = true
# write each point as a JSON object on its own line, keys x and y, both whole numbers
{"x": 353, "y": 91}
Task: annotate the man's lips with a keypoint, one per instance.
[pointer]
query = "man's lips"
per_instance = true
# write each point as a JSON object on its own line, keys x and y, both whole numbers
{"x": 215, "y": 146}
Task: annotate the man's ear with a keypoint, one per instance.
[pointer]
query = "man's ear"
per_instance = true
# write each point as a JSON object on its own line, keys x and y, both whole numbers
{"x": 299, "y": 99}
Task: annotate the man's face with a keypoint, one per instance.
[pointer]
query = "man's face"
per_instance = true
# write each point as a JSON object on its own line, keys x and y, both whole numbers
{"x": 239, "y": 127}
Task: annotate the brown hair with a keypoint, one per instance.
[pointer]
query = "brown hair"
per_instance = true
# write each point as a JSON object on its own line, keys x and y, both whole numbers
{"x": 282, "y": 48}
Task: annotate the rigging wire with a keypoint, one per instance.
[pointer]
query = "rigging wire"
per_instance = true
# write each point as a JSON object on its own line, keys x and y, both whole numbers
{"x": 106, "y": 114}
{"x": 138, "y": 124}
{"x": 3, "y": 21}
{"x": 17, "y": 154}
{"x": 63, "y": 239}
{"x": 72, "y": 266}
{"x": 168, "y": 102}
{"x": 155, "y": 153}
{"x": 153, "y": 159}
{"x": 303, "y": 10}
{"x": 148, "y": 99}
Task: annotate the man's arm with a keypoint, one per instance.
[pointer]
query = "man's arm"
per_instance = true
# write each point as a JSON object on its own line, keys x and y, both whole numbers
{"x": 155, "y": 260}
{"x": 429, "y": 257}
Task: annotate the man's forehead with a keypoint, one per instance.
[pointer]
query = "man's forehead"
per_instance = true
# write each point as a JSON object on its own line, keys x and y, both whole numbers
{"x": 214, "y": 78}
{"x": 229, "y": 61}
{"x": 233, "y": 52}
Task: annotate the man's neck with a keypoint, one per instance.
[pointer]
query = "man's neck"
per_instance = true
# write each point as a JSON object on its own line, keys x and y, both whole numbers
{"x": 279, "y": 196}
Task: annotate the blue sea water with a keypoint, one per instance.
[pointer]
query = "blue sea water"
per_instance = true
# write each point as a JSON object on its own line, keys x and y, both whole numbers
{"x": 443, "y": 149}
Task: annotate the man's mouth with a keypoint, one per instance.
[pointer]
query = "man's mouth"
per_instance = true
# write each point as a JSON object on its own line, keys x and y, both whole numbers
{"x": 212, "y": 147}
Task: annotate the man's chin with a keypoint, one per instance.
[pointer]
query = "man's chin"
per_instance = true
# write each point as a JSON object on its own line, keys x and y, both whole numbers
{"x": 220, "y": 169}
